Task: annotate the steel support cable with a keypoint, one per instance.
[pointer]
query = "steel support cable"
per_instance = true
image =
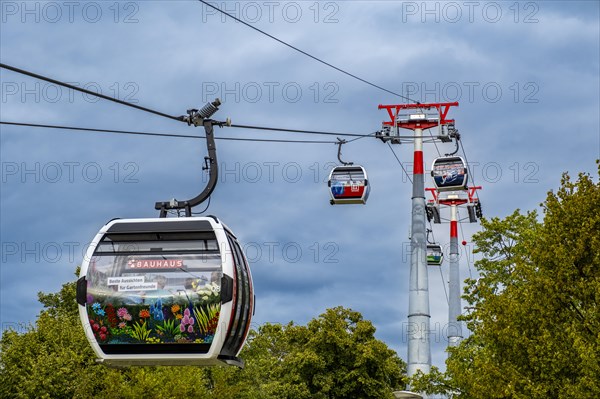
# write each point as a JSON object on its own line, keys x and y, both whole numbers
{"x": 277, "y": 129}
{"x": 84, "y": 129}
{"x": 469, "y": 168}
{"x": 441, "y": 274}
{"x": 307, "y": 54}
{"x": 358, "y": 138}
{"x": 82, "y": 90}
{"x": 462, "y": 234}
{"x": 433, "y": 140}
{"x": 398, "y": 159}
{"x": 281, "y": 129}
{"x": 177, "y": 118}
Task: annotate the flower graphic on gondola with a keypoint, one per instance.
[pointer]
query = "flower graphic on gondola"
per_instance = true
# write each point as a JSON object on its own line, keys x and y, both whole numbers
{"x": 187, "y": 322}
{"x": 98, "y": 309}
{"x": 100, "y": 331}
{"x": 123, "y": 314}
{"x": 111, "y": 315}
{"x": 210, "y": 292}
{"x": 156, "y": 310}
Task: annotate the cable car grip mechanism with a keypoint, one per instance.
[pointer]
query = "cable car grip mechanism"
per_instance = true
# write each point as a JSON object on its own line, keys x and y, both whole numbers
{"x": 339, "y": 154}
{"x": 200, "y": 117}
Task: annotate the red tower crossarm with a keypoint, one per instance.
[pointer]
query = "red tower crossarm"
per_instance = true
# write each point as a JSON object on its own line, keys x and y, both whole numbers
{"x": 442, "y": 108}
{"x": 470, "y": 199}
{"x": 434, "y": 193}
{"x": 471, "y": 193}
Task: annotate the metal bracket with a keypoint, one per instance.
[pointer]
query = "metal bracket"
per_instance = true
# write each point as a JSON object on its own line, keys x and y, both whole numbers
{"x": 206, "y": 163}
{"x": 81, "y": 295}
{"x": 433, "y": 213}
{"x": 386, "y": 135}
{"x": 453, "y": 134}
{"x": 441, "y": 108}
{"x": 198, "y": 118}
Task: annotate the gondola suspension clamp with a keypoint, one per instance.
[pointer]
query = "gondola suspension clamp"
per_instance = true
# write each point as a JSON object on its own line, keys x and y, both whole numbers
{"x": 339, "y": 144}
{"x": 199, "y": 117}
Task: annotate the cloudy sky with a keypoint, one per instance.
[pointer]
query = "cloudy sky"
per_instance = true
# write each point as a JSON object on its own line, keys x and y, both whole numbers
{"x": 526, "y": 75}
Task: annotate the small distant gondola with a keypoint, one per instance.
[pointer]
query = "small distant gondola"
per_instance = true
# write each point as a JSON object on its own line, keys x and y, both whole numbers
{"x": 449, "y": 173}
{"x": 435, "y": 255}
{"x": 166, "y": 292}
{"x": 348, "y": 184}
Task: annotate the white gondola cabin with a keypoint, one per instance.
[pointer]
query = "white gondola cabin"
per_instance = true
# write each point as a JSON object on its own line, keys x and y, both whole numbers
{"x": 348, "y": 184}
{"x": 449, "y": 173}
{"x": 435, "y": 255}
{"x": 166, "y": 292}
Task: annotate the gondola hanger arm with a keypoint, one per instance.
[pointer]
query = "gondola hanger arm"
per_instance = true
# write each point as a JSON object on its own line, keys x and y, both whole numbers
{"x": 453, "y": 133}
{"x": 428, "y": 232}
{"x": 199, "y": 118}
{"x": 339, "y": 144}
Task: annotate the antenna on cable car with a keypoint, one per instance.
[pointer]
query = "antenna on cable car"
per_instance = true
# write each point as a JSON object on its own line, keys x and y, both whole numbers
{"x": 200, "y": 118}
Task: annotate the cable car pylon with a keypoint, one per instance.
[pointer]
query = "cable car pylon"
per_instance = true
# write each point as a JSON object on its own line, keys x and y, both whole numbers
{"x": 417, "y": 117}
{"x": 450, "y": 177}
{"x": 454, "y": 199}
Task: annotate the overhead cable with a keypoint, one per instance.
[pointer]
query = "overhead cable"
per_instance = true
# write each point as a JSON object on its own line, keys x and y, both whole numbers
{"x": 307, "y": 54}
{"x": 279, "y": 129}
{"x": 91, "y": 93}
{"x": 469, "y": 168}
{"x": 398, "y": 159}
{"x": 85, "y": 129}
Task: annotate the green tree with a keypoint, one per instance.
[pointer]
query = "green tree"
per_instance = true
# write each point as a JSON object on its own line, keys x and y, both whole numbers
{"x": 54, "y": 360}
{"x": 334, "y": 356}
{"x": 534, "y": 310}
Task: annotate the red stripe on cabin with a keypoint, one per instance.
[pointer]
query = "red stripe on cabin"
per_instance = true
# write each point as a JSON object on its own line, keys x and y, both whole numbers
{"x": 349, "y": 193}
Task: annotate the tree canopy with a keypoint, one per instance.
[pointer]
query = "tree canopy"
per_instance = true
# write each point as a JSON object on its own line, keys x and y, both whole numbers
{"x": 534, "y": 310}
{"x": 334, "y": 356}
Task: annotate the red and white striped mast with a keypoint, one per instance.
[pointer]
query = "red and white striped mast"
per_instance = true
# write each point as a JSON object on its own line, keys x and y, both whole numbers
{"x": 417, "y": 120}
{"x": 454, "y": 199}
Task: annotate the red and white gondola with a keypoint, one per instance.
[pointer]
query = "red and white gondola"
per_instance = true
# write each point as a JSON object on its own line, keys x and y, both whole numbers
{"x": 348, "y": 184}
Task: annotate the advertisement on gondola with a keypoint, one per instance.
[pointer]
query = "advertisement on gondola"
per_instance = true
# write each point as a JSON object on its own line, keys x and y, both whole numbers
{"x": 347, "y": 189}
{"x": 155, "y": 264}
{"x": 449, "y": 173}
{"x": 348, "y": 185}
{"x": 142, "y": 299}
